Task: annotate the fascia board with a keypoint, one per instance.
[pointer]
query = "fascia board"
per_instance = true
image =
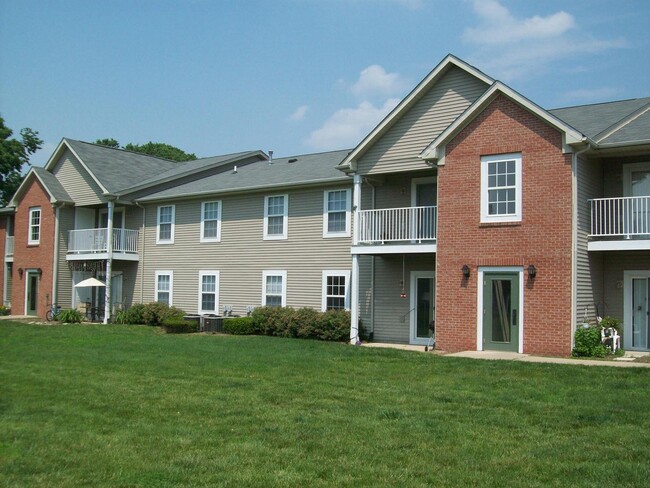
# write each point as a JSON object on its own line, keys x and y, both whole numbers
{"x": 414, "y": 95}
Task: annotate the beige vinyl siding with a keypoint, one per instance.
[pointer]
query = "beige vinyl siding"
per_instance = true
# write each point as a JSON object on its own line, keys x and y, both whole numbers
{"x": 392, "y": 313}
{"x": 589, "y": 266}
{"x": 615, "y": 263}
{"x": 242, "y": 255}
{"x": 398, "y": 149}
{"x": 129, "y": 271}
{"x": 77, "y": 181}
{"x": 64, "y": 290}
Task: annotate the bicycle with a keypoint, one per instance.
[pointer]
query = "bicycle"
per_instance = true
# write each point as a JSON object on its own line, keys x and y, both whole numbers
{"x": 52, "y": 313}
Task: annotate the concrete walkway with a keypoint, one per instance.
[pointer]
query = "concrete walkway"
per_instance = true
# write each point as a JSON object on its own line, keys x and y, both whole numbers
{"x": 626, "y": 361}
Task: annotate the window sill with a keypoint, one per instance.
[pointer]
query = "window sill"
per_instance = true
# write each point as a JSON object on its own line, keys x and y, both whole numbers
{"x": 500, "y": 224}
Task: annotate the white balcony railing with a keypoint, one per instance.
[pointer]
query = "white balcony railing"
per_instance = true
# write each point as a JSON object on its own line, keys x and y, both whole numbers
{"x": 9, "y": 246}
{"x": 408, "y": 224}
{"x": 620, "y": 217}
{"x": 92, "y": 241}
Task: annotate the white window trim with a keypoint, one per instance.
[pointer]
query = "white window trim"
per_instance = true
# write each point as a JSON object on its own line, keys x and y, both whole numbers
{"x": 485, "y": 217}
{"x": 211, "y": 239}
{"x": 30, "y": 241}
{"x": 275, "y": 272}
{"x": 336, "y": 272}
{"x": 285, "y": 219}
{"x": 171, "y": 239}
{"x": 171, "y": 285}
{"x": 203, "y": 273}
{"x": 348, "y": 219}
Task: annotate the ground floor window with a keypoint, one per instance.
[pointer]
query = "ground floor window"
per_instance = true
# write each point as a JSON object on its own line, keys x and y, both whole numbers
{"x": 336, "y": 290}
{"x": 164, "y": 286}
{"x": 208, "y": 291}
{"x": 274, "y": 288}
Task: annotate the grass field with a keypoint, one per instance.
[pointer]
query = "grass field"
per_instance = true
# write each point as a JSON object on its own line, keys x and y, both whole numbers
{"x": 129, "y": 406}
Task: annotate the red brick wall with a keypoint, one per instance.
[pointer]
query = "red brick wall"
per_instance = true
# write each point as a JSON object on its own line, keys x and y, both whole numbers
{"x": 542, "y": 238}
{"x": 32, "y": 257}
{"x": 3, "y": 237}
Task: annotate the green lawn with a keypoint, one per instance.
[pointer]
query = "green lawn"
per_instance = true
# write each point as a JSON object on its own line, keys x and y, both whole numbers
{"x": 131, "y": 406}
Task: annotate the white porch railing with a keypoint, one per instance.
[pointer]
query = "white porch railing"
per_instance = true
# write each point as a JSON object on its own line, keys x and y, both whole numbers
{"x": 624, "y": 216}
{"x": 9, "y": 246}
{"x": 92, "y": 241}
{"x": 405, "y": 224}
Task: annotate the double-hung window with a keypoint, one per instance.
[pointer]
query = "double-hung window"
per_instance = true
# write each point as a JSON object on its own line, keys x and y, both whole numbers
{"x": 274, "y": 288}
{"x": 336, "y": 213}
{"x": 165, "y": 230}
{"x": 34, "y": 236}
{"x": 211, "y": 221}
{"x": 276, "y": 210}
{"x": 501, "y": 188}
{"x": 336, "y": 290}
{"x": 208, "y": 291}
{"x": 164, "y": 287}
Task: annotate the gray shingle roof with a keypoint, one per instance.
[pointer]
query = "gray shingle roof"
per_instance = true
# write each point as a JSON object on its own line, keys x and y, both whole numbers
{"x": 117, "y": 169}
{"x": 591, "y": 120}
{"x": 53, "y": 186}
{"x": 295, "y": 170}
{"x": 635, "y": 131}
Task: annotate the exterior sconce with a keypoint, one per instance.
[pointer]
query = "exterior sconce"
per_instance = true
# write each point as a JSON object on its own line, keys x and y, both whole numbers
{"x": 39, "y": 272}
{"x": 20, "y": 272}
{"x": 403, "y": 293}
{"x": 465, "y": 271}
{"x": 532, "y": 271}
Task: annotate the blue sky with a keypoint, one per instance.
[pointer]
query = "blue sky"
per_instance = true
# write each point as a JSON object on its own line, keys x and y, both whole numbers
{"x": 295, "y": 76}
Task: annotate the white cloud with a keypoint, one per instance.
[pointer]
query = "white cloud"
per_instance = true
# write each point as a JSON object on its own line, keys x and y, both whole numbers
{"x": 347, "y": 126}
{"x": 375, "y": 81}
{"x": 512, "y": 48}
{"x": 299, "y": 113}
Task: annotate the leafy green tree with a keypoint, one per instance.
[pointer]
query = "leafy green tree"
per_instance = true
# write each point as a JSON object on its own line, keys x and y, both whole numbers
{"x": 14, "y": 154}
{"x": 158, "y": 149}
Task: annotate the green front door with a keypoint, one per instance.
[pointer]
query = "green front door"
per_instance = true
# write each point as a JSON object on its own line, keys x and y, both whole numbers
{"x": 31, "y": 307}
{"x": 501, "y": 311}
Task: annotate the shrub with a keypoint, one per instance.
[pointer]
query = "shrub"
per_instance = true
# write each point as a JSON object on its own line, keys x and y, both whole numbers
{"x": 4, "y": 310}
{"x": 239, "y": 326}
{"x": 588, "y": 343}
{"x": 608, "y": 322}
{"x": 175, "y": 325}
{"x": 134, "y": 314}
{"x": 334, "y": 326}
{"x": 70, "y": 316}
{"x": 306, "y": 323}
{"x": 155, "y": 313}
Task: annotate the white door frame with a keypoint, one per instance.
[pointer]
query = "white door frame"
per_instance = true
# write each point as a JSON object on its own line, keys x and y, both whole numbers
{"x": 627, "y": 175}
{"x": 32, "y": 271}
{"x": 628, "y": 276}
{"x": 413, "y": 339}
{"x": 479, "y": 304}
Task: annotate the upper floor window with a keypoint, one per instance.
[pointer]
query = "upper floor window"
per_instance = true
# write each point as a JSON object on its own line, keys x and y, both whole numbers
{"x": 501, "y": 188}
{"x": 335, "y": 290}
{"x": 34, "y": 236}
{"x": 275, "y": 216}
{"x": 274, "y": 288}
{"x": 165, "y": 231}
{"x": 164, "y": 286}
{"x": 208, "y": 291}
{"x": 211, "y": 221}
{"x": 336, "y": 213}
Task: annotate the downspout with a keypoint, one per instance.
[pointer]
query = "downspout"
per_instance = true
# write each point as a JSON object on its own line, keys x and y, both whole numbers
{"x": 55, "y": 261}
{"x": 109, "y": 262}
{"x": 143, "y": 240}
{"x": 354, "y": 307}
{"x": 574, "y": 239}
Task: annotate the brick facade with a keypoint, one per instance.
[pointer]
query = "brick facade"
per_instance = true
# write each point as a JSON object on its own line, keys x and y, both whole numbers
{"x": 543, "y": 237}
{"x": 30, "y": 257}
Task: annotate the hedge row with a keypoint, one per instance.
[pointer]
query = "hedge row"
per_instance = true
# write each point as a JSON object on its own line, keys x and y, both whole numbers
{"x": 154, "y": 313}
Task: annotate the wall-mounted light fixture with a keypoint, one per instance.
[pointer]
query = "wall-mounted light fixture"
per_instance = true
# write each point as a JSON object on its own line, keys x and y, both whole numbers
{"x": 20, "y": 272}
{"x": 465, "y": 271}
{"x": 532, "y": 271}
{"x": 39, "y": 272}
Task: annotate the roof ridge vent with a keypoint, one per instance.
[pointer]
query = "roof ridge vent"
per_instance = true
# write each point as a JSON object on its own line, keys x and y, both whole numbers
{"x": 234, "y": 169}
{"x": 270, "y": 158}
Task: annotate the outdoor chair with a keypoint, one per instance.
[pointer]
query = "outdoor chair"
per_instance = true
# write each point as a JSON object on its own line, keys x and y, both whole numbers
{"x": 609, "y": 336}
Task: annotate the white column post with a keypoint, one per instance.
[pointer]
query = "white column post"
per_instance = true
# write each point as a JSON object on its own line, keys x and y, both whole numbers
{"x": 354, "y": 305}
{"x": 109, "y": 262}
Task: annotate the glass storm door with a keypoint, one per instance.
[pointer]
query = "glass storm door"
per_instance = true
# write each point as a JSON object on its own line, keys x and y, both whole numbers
{"x": 423, "y": 305}
{"x": 501, "y": 311}
{"x": 640, "y": 313}
{"x": 31, "y": 304}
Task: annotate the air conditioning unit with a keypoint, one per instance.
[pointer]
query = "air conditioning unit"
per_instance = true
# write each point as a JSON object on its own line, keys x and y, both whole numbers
{"x": 211, "y": 323}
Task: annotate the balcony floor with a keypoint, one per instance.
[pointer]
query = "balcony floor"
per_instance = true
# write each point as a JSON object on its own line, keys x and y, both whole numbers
{"x": 395, "y": 248}
{"x": 619, "y": 245}
{"x": 83, "y": 256}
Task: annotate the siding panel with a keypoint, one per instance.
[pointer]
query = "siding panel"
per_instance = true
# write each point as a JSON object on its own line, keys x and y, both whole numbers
{"x": 77, "y": 182}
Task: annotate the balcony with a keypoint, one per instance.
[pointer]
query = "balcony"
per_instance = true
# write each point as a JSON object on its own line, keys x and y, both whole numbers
{"x": 93, "y": 244}
{"x": 9, "y": 249}
{"x": 395, "y": 230}
{"x": 620, "y": 224}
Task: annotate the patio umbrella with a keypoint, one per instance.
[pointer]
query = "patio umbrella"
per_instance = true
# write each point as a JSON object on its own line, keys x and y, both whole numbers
{"x": 89, "y": 282}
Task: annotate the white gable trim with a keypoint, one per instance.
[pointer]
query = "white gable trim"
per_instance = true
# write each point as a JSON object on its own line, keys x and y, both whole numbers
{"x": 622, "y": 123}
{"x": 435, "y": 150}
{"x": 59, "y": 152}
{"x": 23, "y": 186}
{"x": 349, "y": 163}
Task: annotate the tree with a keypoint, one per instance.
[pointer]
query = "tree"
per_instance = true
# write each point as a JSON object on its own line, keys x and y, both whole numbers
{"x": 157, "y": 149}
{"x": 14, "y": 154}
